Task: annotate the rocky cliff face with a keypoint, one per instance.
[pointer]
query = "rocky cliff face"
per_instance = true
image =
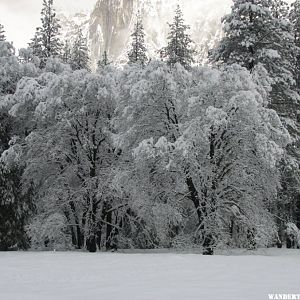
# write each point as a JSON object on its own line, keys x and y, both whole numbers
{"x": 110, "y": 23}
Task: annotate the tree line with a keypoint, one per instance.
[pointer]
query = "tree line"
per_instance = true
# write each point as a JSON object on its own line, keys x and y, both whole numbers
{"x": 156, "y": 153}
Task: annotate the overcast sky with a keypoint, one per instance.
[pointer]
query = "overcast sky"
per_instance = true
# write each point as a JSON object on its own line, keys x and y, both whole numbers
{"x": 21, "y": 17}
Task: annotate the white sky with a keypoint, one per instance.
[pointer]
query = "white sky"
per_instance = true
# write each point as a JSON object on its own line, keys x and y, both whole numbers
{"x": 21, "y": 17}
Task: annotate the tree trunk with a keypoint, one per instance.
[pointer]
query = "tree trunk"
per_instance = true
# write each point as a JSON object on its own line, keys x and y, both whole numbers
{"x": 78, "y": 238}
{"x": 99, "y": 235}
{"x": 91, "y": 244}
{"x": 201, "y": 211}
{"x": 109, "y": 230}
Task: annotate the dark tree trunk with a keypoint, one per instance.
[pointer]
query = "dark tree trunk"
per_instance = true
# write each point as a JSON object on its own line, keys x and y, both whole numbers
{"x": 201, "y": 211}
{"x": 109, "y": 230}
{"x": 207, "y": 245}
{"x": 194, "y": 196}
{"x": 91, "y": 244}
{"x": 99, "y": 235}
{"x": 290, "y": 242}
{"x": 78, "y": 237}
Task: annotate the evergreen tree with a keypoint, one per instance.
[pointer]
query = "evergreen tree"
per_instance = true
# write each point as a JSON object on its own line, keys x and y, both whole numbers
{"x": 102, "y": 63}
{"x": 14, "y": 210}
{"x": 67, "y": 53}
{"x": 258, "y": 32}
{"x": 295, "y": 20}
{"x": 80, "y": 56}
{"x": 50, "y": 30}
{"x": 291, "y": 184}
{"x": 14, "y": 205}
{"x": 137, "y": 54}
{"x": 46, "y": 42}
{"x": 2, "y": 33}
{"x": 36, "y": 44}
{"x": 285, "y": 99}
{"x": 179, "y": 42}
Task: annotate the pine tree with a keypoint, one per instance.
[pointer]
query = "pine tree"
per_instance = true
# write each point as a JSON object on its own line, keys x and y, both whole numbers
{"x": 14, "y": 210}
{"x": 295, "y": 20}
{"x": 36, "y": 44}
{"x": 2, "y": 33}
{"x": 179, "y": 48}
{"x": 137, "y": 54}
{"x": 284, "y": 95}
{"x": 50, "y": 30}
{"x": 80, "y": 56}
{"x": 258, "y": 32}
{"x": 102, "y": 63}
{"x": 291, "y": 180}
{"x": 66, "y": 53}
{"x": 46, "y": 42}
{"x": 14, "y": 205}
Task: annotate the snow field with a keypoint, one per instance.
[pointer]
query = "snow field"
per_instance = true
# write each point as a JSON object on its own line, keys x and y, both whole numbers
{"x": 146, "y": 276}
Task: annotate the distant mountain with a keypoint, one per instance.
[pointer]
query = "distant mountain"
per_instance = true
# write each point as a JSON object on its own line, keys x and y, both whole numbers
{"x": 110, "y": 23}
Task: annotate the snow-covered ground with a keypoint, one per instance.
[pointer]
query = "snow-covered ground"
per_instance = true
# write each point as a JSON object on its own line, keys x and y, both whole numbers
{"x": 148, "y": 276}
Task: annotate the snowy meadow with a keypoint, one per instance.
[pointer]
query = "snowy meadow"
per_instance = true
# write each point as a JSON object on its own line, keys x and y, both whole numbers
{"x": 152, "y": 177}
{"x": 146, "y": 276}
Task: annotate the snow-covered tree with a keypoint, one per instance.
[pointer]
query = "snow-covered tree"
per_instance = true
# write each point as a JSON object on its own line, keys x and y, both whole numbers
{"x": 239, "y": 138}
{"x": 2, "y": 33}
{"x": 70, "y": 156}
{"x": 80, "y": 53}
{"x": 104, "y": 61}
{"x": 11, "y": 71}
{"x": 294, "y": 187}
{"x": 46, "y": 42}
{"x": 50, "y": 233}
{"x": 259, "y": 32}
{"x": 295, "y": 19}
{"x": 15, "y": 208}
{"x": 146, "y": 111}
{"x": 14, "y": 205}
{"x": 137, "y": 53}
{"x": 179, "y": 48}
{"x": 67, "y": 53}
{"x": 198, "y": 144}
{"x": 50, "y": 30}
{"x": 35, "y": 45}
{"x": 26, "y": 56}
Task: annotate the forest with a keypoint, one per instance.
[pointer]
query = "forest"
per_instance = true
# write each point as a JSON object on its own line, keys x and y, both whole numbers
{"x": 158, "y": 152}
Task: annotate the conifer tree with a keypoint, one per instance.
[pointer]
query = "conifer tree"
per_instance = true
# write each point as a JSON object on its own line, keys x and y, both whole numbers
{"x": 291, "y": 184}
{"x": 137, "y": 54}
{"x": 102, "y": 63}
{"x": 50, "y": 30}
{"x": 258, "y": 32}
{"x": 14, "y": 209}
{"x": 179, "y": 48}
{"x": 67, "y": 53}
{"x": 36, "y": 44}
{"x": 46, "y": 42}
{"x": 295, "y": 20}
{"x": 80, "y": 56}
{"x": 2, "y": 33}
